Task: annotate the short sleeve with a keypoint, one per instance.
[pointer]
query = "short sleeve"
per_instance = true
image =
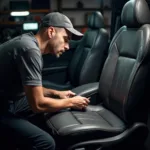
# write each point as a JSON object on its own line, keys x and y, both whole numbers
{"x": 29, "y": 63}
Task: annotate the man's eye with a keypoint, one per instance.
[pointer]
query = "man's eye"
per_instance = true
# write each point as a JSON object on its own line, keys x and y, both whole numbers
{"x": 66, "y": 39}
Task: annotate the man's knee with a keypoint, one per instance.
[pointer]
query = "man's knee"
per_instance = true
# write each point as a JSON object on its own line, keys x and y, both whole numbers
{"x": 51, "y": 143}
{"x": 46, "y": 142}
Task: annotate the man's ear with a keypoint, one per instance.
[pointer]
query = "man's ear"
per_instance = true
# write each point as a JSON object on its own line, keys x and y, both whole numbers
{"x": 51, "y": 32}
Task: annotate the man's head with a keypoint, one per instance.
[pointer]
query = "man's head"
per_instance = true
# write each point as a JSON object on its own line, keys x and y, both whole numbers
{"x": 58, "y": 29}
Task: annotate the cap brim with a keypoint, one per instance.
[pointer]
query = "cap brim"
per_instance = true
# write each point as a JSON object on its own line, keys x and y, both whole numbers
{"x": 74, "y": 31}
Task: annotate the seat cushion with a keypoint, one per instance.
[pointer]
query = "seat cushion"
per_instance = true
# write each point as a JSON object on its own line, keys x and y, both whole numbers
{"x": 94, "y": 122}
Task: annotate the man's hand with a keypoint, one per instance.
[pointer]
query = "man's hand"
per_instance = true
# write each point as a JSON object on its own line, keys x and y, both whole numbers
{"x": 79, "y": 102}
{"x": 65, "y": 94}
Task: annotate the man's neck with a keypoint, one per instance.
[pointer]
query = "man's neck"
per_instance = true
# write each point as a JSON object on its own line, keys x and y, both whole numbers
{"x": 41, "y": 43}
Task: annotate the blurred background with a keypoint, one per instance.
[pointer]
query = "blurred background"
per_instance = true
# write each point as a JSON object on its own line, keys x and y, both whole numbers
{"x": 20, "y": 16}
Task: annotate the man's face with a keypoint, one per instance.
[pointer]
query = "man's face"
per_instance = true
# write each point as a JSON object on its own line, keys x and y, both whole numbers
{"x": 59, "y": 42}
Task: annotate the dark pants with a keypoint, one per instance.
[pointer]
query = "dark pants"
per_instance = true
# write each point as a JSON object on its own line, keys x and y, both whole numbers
{"x": 23, "y": 128}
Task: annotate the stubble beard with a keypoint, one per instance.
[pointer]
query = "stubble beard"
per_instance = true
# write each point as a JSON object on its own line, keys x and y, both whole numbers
{"x": 57, "y": 55}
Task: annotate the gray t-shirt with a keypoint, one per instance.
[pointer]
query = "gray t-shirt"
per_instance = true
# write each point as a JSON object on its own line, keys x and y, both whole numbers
{"x": 20, "y": 64}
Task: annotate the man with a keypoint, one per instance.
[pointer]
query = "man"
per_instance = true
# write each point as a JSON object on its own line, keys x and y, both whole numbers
{"x": 22, "y": 97}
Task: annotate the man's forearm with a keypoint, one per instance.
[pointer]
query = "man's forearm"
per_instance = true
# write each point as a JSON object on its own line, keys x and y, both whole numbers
{"x": 53, "y": 105}
{"x": 49, "y": 92}
{"x": 41, "y": 103}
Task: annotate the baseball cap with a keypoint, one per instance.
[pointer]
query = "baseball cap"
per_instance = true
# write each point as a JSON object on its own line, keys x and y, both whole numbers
{"x": 57, "y": 19}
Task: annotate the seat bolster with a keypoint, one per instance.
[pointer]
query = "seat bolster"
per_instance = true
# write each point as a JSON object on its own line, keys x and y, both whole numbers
{"x": 87, "y": 89}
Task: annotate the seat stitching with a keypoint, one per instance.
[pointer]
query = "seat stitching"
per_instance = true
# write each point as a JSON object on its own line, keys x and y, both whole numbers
{"x": 98, "y": 115}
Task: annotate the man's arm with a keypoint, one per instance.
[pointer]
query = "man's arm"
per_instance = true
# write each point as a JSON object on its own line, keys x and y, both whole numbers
{"x": 29, "y": 65}
{"x": 50, "y": 92}
{"x": 39, "y": 103}
{"x": 58, "y": 94}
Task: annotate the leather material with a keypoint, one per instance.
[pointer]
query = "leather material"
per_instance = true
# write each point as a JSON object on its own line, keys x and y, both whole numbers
{"x": 135, "y": 14}
{"x": 124, "y": 71}
{"x": 123, "y": 86}
{"x": 95, "y": 22}
{"x": 97, "y": 119}
{"x": 86, "y": 89}
{"x": 57, "y": 86}
{"x": 89, "y": 55}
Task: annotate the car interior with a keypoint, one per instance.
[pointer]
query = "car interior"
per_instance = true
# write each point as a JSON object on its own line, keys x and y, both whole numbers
{"x": 119, "y": 118}
{"x": 89, "y": 53}
{"x": 113, "y": 70}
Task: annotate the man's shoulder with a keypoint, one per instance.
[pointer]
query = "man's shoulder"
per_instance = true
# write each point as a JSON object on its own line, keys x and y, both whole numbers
{"x": 20, "y": 45}
{"x": 28, "y": 41}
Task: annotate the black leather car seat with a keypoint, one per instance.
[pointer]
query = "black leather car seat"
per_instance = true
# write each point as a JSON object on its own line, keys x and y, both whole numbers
{"x": 121, "y": 115}
{"x": 89, "y": 56}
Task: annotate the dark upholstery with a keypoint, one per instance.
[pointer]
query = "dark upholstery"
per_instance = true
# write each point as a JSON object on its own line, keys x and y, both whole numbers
{"x": 89, "y": 56}
{"x": 122, "y": 90}
{"x": 134, "y": 16}
{"x": 96, "y": 119}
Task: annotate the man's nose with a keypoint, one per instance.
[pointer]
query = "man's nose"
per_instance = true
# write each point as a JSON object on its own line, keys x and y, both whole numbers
{"x": 67, "y": 46}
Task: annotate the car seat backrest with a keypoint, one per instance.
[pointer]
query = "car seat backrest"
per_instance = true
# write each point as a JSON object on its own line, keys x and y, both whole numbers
{"x": 124, "y": 77}
{"x": 88, "y": 58}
